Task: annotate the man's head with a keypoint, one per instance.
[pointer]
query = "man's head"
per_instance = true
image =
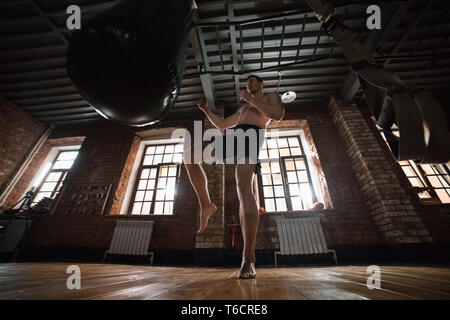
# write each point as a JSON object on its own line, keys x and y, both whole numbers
{"x": 254, "y": 84}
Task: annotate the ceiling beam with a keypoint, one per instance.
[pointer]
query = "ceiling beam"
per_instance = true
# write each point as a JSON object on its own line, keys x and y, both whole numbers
{"x": 201, "y": 56}
{"x": 49, "y": 21}
{"x": 351, "y": 84}
{"x": 234, "y": 50}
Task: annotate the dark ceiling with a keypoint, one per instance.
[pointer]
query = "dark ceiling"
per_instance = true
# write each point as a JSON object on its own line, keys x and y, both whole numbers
{"x": 413, "y": 42}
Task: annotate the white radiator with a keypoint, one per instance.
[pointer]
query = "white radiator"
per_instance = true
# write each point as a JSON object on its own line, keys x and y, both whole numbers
{"x": 301, "y": 236}
{"x": 131, "y": 238}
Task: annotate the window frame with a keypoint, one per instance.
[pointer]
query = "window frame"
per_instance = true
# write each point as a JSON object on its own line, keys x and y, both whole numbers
{"x": 157, "y": 166}
{"x": 61, "y": 179}
{"x": 283, "y": 171}
{"x": 421, "y": 175}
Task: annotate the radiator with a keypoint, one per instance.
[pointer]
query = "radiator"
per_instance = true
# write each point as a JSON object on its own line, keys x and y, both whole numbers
{"x": 301, "y": 236}
{"x": 131, "y": 238}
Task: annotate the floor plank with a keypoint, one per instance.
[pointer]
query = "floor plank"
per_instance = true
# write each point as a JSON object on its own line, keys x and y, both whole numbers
{"x": 120, "y": 282}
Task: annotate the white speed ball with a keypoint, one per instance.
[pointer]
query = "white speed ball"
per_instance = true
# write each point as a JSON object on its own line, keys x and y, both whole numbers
{"x": 288, "y": 97}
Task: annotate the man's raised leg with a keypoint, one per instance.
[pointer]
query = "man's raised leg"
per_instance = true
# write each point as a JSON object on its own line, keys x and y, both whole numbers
{"x": 199, "y": 182}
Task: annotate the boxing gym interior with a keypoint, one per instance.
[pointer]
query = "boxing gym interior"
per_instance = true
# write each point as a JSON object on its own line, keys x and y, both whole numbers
{"x": 353, "y": 193}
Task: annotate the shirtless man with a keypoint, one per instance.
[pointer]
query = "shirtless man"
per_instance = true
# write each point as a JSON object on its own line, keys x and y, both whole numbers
{"x": 257, "y": 112}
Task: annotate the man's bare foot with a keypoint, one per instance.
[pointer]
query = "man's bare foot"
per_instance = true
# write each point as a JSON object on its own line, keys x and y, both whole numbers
{"x": 247, "y": 271}
{"x": 204, "y": 216}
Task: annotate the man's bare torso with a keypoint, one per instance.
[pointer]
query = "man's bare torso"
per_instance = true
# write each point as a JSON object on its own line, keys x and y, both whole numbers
{"x": 251, "y": 115}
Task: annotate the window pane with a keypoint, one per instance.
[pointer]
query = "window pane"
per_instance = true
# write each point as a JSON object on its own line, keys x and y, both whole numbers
{"x": 268, "y": 192}
{"x": 427, "y": 168}
{"x": 296, "y": 151}
{"x": 160, "y": 195}
{"x": 53, "y": 177}
{"x": 137, "y": 208}
{"x": 415, "y": 182}
{"x": 282, "y": 143}
{"x": 151, "y": 184}
{"x": 265, "y": 167}
{"x": 139, "y": 196}
{"x": 142, "y": 185}
{"x": 294, "y": 190}
{"x": 145, "y": 173}
{"x": 292, "y": 177}
{"x": 157, "y": 159}
{"x": 169, "y": 149}
{"x": 302, "y": 176}
{"x": 443, "y": 182}
{"x": 408, "y": 171}
{"x": 168, "y": 158}
{"x": 68, "y": 155}
{"x": 277, "y": 179}
{"x": 162, "y": 183}
{"x": 443, "y": 195}
{"x": 177, "y": 158}
{"x": 170, "y": 183}
{"x": 293, "y": 142}
{"x": 281, "y": 204}
{"x": 159, "y": 208}
{"x": 272, "y": 143}
{"x": 284, "y": 152}
{"x": 270, "y": 205}
{"x": 290, "y": 165}
{"x": 148, "y": 160}
{"x": 151, "y": 150}
{"x": 275, "y": 166}
{"x": 300, "y": 164}
{"x": 305, "y": 192}
{"x": 279, "y": 191}
{"x": 296, "y": 203}
{"x": 159, "y": 149}
{"x": 41, "y": 195}
{"x": 168, "y": 208}
{"x": 148, "y": 196}
{"x": 153, "y": 173}
{"x": 172, "y": 171}
{"x": 263, "y": 154}
{"x": 435, "y": 181}
{"x": 179, "y": 148}
{"x": 170, "y": 194}
{"x": 63, "y": 164}
{"x": 163, "y": 172}
{"x": 267, "y": 179}
{"x": 273, "y": 153}
{"x": 146, "y": 208}
{"x": 48, "y": 186}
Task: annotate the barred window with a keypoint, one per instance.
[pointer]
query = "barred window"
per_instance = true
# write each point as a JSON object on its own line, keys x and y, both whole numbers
{"x": 155, "y": 187}
{"x": 54, "y": 178}
{"x": 432, "y": 180}
{"x": 285, "y": 175}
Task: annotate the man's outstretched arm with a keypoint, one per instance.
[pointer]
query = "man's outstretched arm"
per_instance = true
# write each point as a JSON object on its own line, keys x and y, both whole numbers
{"x": 218, "y": 122}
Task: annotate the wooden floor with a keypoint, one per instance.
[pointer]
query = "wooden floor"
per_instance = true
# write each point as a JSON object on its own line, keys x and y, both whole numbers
{"x": 114, "y": 281}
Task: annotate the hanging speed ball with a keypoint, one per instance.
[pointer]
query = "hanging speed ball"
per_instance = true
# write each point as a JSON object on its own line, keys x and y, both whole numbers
{"x": 128, "y": 61}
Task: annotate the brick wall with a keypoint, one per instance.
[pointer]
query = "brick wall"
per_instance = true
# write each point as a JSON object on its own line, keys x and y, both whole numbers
{"x": 23, "y": 183}
{"x": 389, "y": 205}
{"x": 19, "y": 132}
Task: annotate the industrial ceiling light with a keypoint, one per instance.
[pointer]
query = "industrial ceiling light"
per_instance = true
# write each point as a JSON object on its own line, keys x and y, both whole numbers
{"x": 288, "y": 96}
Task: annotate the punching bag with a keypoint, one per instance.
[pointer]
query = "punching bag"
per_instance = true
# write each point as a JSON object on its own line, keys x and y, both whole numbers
{"x": 128, "y": 61}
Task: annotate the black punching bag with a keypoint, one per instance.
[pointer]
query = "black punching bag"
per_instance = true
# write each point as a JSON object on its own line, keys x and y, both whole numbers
{"x": 128, "y": 61}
